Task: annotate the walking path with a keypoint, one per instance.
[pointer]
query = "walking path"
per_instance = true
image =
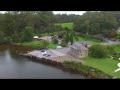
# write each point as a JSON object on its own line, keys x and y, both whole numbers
{"x": 111, "y": 42}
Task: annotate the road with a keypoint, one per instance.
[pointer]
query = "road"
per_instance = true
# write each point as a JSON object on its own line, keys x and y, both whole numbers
{"x": 111, "y": 42}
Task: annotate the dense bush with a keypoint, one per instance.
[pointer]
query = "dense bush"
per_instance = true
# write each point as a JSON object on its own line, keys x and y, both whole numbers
{"x": 44, "y": 44}
{"x": 98, "y": 51}
{"x": 55, "y": 39}
{"x": 86, "y": 70}
{"x": 110, "y": 49}
{"x": 63, "y": 44}
{"x": 5, "y": 40}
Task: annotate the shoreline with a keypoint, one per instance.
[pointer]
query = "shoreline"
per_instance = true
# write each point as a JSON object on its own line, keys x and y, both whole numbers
{"x": 57, "y": 65}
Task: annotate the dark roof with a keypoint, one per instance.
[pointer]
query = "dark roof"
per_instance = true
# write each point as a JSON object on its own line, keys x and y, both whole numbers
{"x": 86, "y": 42}
{"x": 79, "y": 46}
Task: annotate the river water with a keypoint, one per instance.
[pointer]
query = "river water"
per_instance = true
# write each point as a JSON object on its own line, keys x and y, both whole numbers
{"x": 13, "y": 66}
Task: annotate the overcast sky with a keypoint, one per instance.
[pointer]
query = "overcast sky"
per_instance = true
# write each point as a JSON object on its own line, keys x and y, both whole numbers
{"x": 69, "y": 12}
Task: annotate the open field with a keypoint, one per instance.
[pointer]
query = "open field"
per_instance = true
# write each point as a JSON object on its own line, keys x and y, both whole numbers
{"x": 68, "y": 25}
{"x": 106, "y": 65}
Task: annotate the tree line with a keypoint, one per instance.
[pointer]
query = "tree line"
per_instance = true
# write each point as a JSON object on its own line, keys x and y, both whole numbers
{"x": 20, "y": 26}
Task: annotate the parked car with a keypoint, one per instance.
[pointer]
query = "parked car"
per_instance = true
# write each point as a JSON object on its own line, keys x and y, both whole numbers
{"x": 59, "y": 47}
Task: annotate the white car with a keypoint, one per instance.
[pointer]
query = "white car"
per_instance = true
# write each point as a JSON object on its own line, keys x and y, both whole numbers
{"x": 59, "y": 47}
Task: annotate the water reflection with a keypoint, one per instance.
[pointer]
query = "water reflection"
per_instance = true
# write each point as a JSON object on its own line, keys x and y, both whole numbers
{"x": 14, "y": 66}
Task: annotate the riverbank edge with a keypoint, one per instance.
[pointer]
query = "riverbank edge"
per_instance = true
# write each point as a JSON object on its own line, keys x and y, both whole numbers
{"x": 58, "y": 65}
{"x": 64, "y": 67}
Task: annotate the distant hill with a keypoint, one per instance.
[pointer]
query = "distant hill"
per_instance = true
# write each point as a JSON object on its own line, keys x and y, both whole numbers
{"x": 69, "y": 25}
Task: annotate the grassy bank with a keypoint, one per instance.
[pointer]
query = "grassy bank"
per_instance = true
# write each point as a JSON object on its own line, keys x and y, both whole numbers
{"x": 92, "y": 41}
{"x": 106, "y": 65}
{"x": 87, "y": 70}
{"x": 37, "y": 44}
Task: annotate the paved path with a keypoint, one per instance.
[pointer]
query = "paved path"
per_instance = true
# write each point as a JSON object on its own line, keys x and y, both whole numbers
{"x": 57, "y": 53}
{"x": 111, "y": 43}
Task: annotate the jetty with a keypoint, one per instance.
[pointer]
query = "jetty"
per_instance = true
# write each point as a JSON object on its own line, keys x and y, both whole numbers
{"x": 55, "y": 57}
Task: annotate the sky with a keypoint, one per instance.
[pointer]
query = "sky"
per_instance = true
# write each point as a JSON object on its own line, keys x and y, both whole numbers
{"x": 69, "y": 12}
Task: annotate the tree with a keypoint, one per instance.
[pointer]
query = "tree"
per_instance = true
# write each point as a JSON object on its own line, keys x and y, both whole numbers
{"x": 55, "y": 39}
{"x": 27, "y": 34}
{"x": 98, "y": 51}
{"x": 70, "y": 35}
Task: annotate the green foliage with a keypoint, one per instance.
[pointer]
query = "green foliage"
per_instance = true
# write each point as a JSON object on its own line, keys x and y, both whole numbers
{"x": 52, "y": 45}
{"x": 70, "y": 35}
{"x": 5, "y": 40}
{"x": 106, "y": 65}
{"x": 116, "y": 48}
{"x": 13, "y": 23}
{"x": 61, "y": 34}
{"x": 96, "y": 23}
{"x": 90, "y": 71}
{"x": 98, "y": 51}
{"x": 36, "y": 44}
{"x": 63, "y": 44}
{"x": 44, "y": 44}
{"x": 55, "y": 39}
{"x": 27, "y": 34}
{"x": 110, "y": 49}
{"x": 15, "y": 38}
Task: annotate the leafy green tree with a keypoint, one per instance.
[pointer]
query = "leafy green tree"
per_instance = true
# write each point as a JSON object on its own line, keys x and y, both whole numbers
{"x": 27, "y": 34}
{"x": 55, "y": 39}
{"x": 98, "y": 51}
{"x": 70, "y": 35}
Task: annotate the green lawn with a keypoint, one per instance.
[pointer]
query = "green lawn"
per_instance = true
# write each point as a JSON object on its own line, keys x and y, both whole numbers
{"x": 106, "y": 65}
{"x": 36, "y": 44}
{"x": 117, "y": 48}
{"x": 33, "y": 44}
{"x": 68, "y": 25}
{"x": 89, "y": 40}
{"x": 52, "y": 45}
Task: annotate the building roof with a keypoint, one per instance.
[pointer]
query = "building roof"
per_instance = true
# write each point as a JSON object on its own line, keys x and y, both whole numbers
{"x": 79, "y": 46}
{"x": 86, "y": 42}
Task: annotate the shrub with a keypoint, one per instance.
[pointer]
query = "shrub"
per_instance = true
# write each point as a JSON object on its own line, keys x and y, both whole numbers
{"x": 44, "y": 44}
{"x": 98, "y": 51}
{"x": 51, "y": 34}
{"x": 55, "y": 39}
{"x": 63, "y": 44}
{"x": 78, "y": 67}
{"x": 110, "y": 49}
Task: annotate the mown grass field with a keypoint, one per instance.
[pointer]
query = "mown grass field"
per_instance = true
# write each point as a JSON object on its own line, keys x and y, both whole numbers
{"x": 94, "y": 42}
{"x": 69, "y": 25}
{"x": 106, "y": 65}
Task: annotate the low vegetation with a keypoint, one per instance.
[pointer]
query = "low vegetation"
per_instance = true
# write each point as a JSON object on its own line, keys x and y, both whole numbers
{"x": 98, "y": 51}
{"x": 39, "y": 44}
{"x": 106, "y": 65}
{"x": 69, "y": 25}
{"x": 35, "y": 44}
{"x": 88, "y": 70}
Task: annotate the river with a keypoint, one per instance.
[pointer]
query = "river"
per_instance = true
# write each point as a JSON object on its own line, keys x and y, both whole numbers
{"x": 13, "y": 66}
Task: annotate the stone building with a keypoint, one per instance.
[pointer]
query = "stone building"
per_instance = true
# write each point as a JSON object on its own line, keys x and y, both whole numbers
{"x": 79, "y": 50}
